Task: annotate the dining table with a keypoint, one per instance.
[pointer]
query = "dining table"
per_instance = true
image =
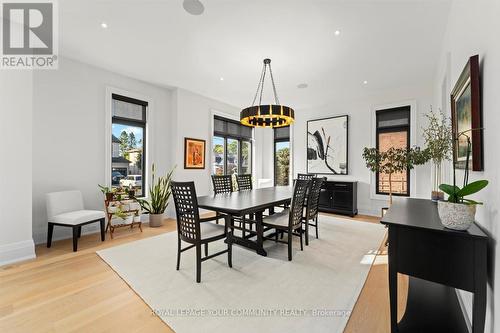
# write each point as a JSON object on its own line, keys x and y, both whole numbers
{"x": 248, "y": 203}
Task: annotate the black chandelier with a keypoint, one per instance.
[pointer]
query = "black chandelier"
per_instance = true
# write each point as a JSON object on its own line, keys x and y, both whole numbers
{"x": 272, "y": 115}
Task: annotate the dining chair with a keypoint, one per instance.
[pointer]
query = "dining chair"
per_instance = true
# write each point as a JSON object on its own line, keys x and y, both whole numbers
{"x": 195, "y": 230}
{"x": 311, "y": 207}
{"x": 222, "y": 184}
{"x": 306, "y": 176}
{"x": 244, "y": 182}
{"x": 290, "y": 220}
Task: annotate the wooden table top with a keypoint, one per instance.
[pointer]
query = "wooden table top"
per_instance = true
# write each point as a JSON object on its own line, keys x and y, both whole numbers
{"x": 243, "y": 202}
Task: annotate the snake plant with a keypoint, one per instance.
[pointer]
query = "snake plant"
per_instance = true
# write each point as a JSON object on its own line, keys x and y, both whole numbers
{"x": 159, "y": 193}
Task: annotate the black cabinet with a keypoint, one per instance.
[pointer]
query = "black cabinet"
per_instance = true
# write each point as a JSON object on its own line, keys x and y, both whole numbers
{"x": 339, "y": 197}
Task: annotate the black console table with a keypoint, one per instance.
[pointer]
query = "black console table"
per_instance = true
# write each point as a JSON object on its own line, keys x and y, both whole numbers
{"x": 437, "y": 260}
{"x": 339, "y": 197}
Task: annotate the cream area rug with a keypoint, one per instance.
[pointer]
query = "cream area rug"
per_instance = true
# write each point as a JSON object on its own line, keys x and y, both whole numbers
{"x": 315, "y": 292}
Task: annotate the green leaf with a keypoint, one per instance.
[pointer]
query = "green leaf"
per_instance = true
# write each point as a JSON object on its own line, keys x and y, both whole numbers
{"x": 472, "y": 188}
{"x": 449, "y": 189}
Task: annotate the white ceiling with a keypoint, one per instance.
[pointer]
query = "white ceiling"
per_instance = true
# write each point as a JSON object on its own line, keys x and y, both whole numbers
{"x": 388, "y": 43}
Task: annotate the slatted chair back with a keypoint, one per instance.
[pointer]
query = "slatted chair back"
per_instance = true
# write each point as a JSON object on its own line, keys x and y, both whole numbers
{"x": 222, "y": 184}
{"x": 313, "y": 197}
{"x": 244, "y": 182}
{"x": 186, "y": 208}
{"x": 297, "y": 206}
{"x": 305, "y": 176}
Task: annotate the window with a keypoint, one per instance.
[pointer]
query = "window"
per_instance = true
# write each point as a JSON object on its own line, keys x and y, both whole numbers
{"x": 282, "y": 156}
{"x": 393, "y": 130}
{"x": 128, "y": 143}
{"x": 231, "y": 147}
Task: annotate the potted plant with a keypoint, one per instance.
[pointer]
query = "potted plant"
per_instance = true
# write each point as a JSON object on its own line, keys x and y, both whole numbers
{"x": 458, "y": 213}
{"x": 126, "y": 217}
{"x": 393, "y": 160}
{"x": 159, "y": 194}
{"x": 106, "y": 191}
{"x": 438, "y": 138}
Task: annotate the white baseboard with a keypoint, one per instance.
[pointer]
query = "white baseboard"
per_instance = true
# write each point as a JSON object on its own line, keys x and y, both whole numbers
{"x": 18, "y": 251}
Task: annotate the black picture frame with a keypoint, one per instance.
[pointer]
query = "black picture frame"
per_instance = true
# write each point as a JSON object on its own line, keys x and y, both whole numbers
{"x": 322, "y": 139}
{"x": 468, "y": 84}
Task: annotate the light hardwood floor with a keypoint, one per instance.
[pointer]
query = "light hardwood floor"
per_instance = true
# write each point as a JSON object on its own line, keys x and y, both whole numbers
{"x": 63, "y": 291}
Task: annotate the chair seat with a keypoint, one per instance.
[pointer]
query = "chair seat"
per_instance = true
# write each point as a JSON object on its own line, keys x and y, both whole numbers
{"x": 77, "y": 217}
{"x": 280, "y": 219}
{"x": 209, "y": 230}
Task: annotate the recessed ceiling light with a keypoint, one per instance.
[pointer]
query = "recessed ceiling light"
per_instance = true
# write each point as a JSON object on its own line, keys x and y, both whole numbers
{"x": 222, "y": 79}
{"x": 193, "y": 7}
{"x": 365, "y": 82}
{"x": 104, "y": 25}
{"x": 337, "y": 32}
{"x": 302, "y": 85}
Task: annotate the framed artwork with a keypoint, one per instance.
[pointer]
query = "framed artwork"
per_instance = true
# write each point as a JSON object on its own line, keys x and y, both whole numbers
{"x": 327, "y": 145}
{"x": 466, "y": 118}
{"x": 194, "y": 153}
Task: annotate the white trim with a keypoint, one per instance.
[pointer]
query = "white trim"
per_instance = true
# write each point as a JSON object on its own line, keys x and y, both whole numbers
{"x": 150, "y": 142}
{"x": 413, "y": 141}
{"x": 18, "y": 251}
{"x": 464, "y": 310}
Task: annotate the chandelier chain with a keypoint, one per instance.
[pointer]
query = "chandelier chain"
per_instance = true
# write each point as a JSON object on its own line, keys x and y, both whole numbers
{"x": 259, "y": 85}
{"x": 274, "y": 86}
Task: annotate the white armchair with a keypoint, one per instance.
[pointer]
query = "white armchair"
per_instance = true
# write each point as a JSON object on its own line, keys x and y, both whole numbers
{"x": 66, "y": 209}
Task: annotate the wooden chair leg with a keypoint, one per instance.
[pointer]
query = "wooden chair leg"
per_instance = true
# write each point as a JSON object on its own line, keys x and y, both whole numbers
{"x": 75, "y": 238}
{"x": 301, "y": 242}
{"x": 307, "y": 232}
{"x": 317, "y": 226}
{"x": 198, "y": 263}
{"x": 178, "y": 253}
{"x": 103, "y": 232}
{"x": 289, "y": 245}
{"x": 229, "y": 255}
{"x": 50, "y": 231}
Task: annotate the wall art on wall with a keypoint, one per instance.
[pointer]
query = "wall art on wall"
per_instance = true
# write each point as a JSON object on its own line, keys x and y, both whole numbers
{"x": 466, "y": 118}
{"x": 194, "y": 153}
{"x": 327, "y": 145}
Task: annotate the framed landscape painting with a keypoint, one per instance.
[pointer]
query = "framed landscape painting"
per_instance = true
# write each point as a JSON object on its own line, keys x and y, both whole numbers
{"x": 327, "y": 145}
{"x": 466, "y": 118}
{"x": 194, "y": 153}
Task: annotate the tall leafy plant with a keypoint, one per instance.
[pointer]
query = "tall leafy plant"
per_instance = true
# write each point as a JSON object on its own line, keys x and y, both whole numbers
{"x": 438, "y": 137}
{"x": 159, "y": 193}
{"x": 394, "y": 160}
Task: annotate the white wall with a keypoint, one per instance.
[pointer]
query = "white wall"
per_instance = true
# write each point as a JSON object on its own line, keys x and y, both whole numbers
{"x": 16, "y": 89}
{"x": 474, "y": 28}
{"x": 69, "y": 134}
{"x": 361, "y": 134}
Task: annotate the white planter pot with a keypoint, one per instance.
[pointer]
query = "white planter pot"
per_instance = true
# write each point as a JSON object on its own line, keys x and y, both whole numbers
{"x": 155, "y": 220}
{"x": 456, "y": 216}
{"x": 128, "y": 220}
{"x": 137, "y": 219}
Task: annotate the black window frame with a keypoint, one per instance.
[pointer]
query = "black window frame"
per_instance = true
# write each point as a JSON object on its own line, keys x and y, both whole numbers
{"x": 136, "y": 123}
{"x": 240, "y": 138}
{"x": 275, "y": 141}
{"x": 394, "y": 129}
